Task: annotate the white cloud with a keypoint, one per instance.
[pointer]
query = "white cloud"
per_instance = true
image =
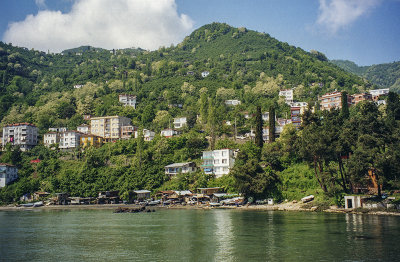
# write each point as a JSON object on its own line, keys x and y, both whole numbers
{"x": 337, "y": 14}
{"x": 40, "y": 3}
{"x": 108, "y": 24}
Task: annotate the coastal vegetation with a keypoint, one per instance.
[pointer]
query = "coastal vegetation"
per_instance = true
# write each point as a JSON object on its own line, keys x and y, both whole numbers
{"x": 329, "y": 155}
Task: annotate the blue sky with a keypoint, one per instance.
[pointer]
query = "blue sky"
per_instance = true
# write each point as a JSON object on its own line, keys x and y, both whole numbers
{"x": 364, "y": 31}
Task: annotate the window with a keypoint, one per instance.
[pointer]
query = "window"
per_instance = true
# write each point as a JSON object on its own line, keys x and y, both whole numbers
{"x": 223, "y": 153}
{"x": 216, "y": 161}
{"x": 224, "y": 161}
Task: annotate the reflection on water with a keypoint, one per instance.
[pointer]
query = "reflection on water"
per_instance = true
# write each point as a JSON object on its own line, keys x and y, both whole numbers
{"x": 196, "y": 235}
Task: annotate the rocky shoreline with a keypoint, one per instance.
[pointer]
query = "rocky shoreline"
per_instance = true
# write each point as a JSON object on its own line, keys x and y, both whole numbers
{"x": 287, "y": 206}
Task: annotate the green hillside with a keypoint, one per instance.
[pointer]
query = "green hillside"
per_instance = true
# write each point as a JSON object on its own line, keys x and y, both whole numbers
{"x": 382, "y": 75}
{"x": 243, "y": 64}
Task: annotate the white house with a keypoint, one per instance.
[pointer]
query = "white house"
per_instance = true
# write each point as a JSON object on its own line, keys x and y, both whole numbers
{"x": 176, "y": 168}
{"x": 180, "y": 122}
{"x": 127, "y": 100}
{"x": 218, "y": 162}
{"x": 147, "y": 134}
{"x": 8, "y": 173}
{"x": 379, "y": 92}
{"x": 51, "y": 138}
{"x": 85, "y": 129}
{"x": 25, "y": 135}
{"x": 205, "y": 73}
{"x": 168, "y": 132}
{"x": 288, "y": 94}
{"x": 265, "y": 116}
{"x": 69, "y": 139}
{"x": 232, "y": 102}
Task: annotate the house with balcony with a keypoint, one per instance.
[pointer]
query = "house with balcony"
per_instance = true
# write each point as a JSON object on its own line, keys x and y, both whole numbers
{"x": 84, "y": 129}
{"x": 69, "y": 139}
{"x": 376, "y": 93}
{"x": 218, "y": 162}
{"x": 8, "y": 173}
{"x": 333, "y": 100}
{"x": 24, "y": 135}
{"x": 169, "y": 132}
{"x": 128, "y": 131}
{"x": 51, "y": 138}
{"x": 127, "y": 100}
{"x": 108, "y": 127}
{"x": 147, "y": 134}
{"x": 180, "y": 122}
{"x": 177, "y": 168}
{"x": 87, "y": 140}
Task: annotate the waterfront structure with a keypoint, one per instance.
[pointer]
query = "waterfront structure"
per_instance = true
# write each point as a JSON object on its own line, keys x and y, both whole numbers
{"x": 287, "y": 94}
{"x": 141, "y": 195}
{"x": 218, "y": 162}
{"x": 232, "y": 102}
{"x": 168, "y": 132}
{"x": 108, "y": 127}
{"x": 84, "y": 129}
{"x": 8, "y": 173}
{"x": 180, "y": 122}
{"x": 87, "y": 140}
{"x": 24, "y": 135}
{"x": 333, "y": 100}
{"x": 127, "y": 100}
{"x": 176, "y": 168}
{"x": 69, "y": 139}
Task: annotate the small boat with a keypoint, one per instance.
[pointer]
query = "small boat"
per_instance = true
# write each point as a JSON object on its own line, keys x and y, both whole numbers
{"x": 38, "y": 204}
{"x": 27, "y": 205}
{"x": 307, "y": 198}
{"x": 213, "y": 204}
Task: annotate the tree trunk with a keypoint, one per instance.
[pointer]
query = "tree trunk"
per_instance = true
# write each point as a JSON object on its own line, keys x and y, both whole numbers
{"x": 316, "y": 175}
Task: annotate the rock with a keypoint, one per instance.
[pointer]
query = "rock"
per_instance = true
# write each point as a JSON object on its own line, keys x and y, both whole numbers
{"x": 294, "y": 201}
{"x": 314, "y": 208}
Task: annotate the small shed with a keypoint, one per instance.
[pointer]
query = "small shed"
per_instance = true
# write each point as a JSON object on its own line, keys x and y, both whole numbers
{"x": 351, "y": 202}
{"x": 142, "y": 194}
{"x": 209, "y": 191}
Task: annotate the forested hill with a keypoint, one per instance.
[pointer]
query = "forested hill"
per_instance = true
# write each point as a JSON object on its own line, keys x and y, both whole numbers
{"x": 247, "y": 65}
{"x": 383, "y": 75}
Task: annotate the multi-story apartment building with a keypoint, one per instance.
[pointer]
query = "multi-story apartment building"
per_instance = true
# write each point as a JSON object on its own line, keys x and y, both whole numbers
{"x": 24, "y": 135}
{"x": 51, "y": 138}
{"x": 127, "y": 100}
{"x": 69, "y": 139}
{"x": 128, "y": 131}
{"x": 218, "y": 162}
{"x": 8, "y": 173}
{"x": 288, "y": 94}
{"x": 333, "y": 100}
{"x": 296, "y": 110}
{"x": 108, "y": 127}
{"x": 180, "y": 122}
{"x": 376, "y": 93}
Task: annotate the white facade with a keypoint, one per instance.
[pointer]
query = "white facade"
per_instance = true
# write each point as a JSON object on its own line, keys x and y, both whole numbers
{"x": 69, "y": 139}
{"x": 51, "y": 138}
{"x": 85, "y": 129}
{"x": 24, "y": 135}
{"x": 218, "y": 162}
{"x": 8, "y": 173}
{"x": 127, "y": 100}
{"x": 379, "y": 92}
{"x": 265, "y": 116}
{"x": 58, "y": 129}
{"x": 176, "y": 168}
{"x": 180, "y": 122}
{"x": 168, "y": 132}
{"x": 233, "y": 102}
{"x": 205, "y": 73}
{"x": 147, "y": 135}
{"x": 288, "y": 94}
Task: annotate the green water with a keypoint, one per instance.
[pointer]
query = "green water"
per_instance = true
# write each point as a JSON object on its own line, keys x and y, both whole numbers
{"x": 196, "y": 235}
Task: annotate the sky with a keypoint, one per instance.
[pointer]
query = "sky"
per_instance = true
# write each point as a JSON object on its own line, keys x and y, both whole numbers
{"x": 364, "y": 31}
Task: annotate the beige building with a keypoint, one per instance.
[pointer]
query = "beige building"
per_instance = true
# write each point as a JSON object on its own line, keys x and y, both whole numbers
{"x": 108, "y": 127}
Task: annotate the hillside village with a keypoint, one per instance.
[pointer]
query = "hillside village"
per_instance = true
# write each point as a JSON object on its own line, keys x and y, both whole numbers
{"x": 191, "y": 117}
